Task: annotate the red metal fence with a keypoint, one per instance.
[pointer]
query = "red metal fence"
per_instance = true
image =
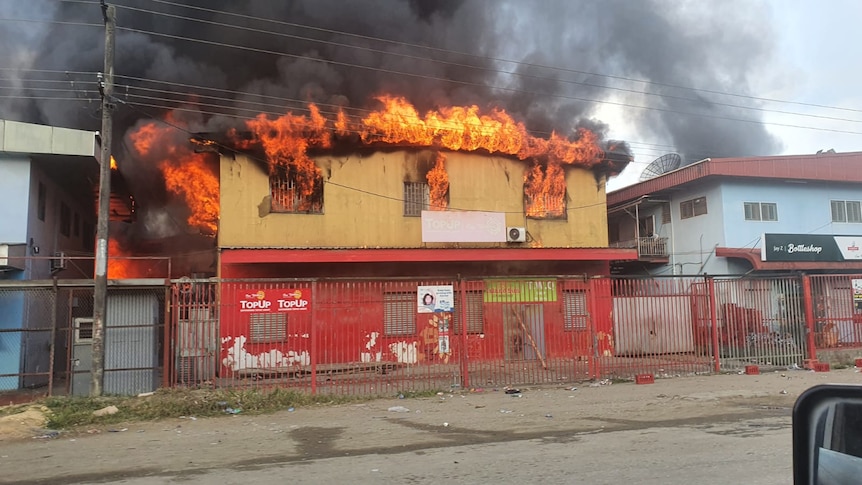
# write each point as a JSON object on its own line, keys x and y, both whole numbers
{"x": 836, "y": 302}
{"x": 384, "y": 337}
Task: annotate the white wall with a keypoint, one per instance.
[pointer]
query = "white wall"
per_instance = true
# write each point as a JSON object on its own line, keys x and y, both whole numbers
{"x": 14, "y": 198}
{"x": 695, "y": 238}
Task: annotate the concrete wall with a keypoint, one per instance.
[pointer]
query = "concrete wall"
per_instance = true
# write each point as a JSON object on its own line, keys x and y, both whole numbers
{"x": 354, "y": 218}
{"x": 695, "y": 238}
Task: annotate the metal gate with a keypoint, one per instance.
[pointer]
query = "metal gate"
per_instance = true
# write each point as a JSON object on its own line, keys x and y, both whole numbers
{"x": 760, "y": 321}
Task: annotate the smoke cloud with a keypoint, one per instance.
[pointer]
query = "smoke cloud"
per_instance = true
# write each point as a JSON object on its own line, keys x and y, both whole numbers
{"x": 719, "y": 46}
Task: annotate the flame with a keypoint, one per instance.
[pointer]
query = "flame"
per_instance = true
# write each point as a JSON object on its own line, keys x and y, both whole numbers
{"x": 113, "y": 163}
{"x": 118, "y": 268}
{"x": 438, "y": 184}
{"x": 545, "y": 191}
{"x": 187, "y": 174}
{"x": 286, "y": 141}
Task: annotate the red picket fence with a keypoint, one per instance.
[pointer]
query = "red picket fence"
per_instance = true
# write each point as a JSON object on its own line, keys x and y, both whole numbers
{"x": 381, "y": 337}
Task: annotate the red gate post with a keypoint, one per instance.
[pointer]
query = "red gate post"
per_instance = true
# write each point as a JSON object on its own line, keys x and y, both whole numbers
{"x": 713, "y": 316}
{"x": 809, "y": 316}
{"x": 313, "y": 356}
{"x": 592, "y": 311}
{"x": 465, "y": 372}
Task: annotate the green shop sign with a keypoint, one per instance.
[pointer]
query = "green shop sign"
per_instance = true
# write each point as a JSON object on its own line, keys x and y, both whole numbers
{"x": 520, "y": 291}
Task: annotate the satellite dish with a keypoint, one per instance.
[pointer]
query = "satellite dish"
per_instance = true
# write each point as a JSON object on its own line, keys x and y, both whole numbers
{"x": 661, "y": 165}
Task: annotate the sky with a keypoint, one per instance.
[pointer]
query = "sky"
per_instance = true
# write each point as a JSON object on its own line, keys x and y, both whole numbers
{"x": 816, "y": 60}
{"x": 578, "y": 64}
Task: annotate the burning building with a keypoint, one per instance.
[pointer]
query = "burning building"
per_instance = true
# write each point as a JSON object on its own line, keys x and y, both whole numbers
{"x": 399, "y": 193}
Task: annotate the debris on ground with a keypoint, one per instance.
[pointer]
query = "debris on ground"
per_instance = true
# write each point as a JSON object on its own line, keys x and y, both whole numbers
{"x": 398, "y": 409}
{"x": 232, "y": 410}
{"x": 105, "y": 411}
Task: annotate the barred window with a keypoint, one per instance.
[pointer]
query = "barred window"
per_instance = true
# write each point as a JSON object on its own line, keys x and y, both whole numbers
{"x": 268, "y": 327}
{"x": 474, "y": 309}
{"x": 399, "y": 313}
{"x": 287, "y": 197}
{"x": 417, "y": 198}
{"x": 575, "y": 310}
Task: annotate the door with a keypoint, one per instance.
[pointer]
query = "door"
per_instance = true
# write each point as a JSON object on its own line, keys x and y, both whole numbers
{"x": 524, "y": 331}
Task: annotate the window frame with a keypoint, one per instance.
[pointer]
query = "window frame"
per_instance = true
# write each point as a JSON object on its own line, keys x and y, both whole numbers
{"x": 843, "y": 215}
{"x": 694, "y": 207}
{"x": 474, "y": 311}
{"x": 570, "y": 316}
{"x": 400, "y": 305}
{"x": 41, "y": 201}
{"x": 65, "y": 219}
{"x": 412, "y": 191}
{"x": 282, "y": 180}
{"x": 277, "y": 321}
{"x": 760, "y": 215}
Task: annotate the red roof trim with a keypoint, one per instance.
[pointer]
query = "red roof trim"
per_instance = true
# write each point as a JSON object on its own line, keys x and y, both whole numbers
{"x": 831, "y": 167}
{"x": 753, "y": 257}
{"x": 229, "y": 256}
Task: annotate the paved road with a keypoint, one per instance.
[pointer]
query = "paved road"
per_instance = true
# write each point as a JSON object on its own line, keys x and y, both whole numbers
{"x": 753, "y": 451}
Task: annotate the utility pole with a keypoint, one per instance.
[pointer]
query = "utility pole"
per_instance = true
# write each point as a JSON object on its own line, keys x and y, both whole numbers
{"x": 100, "y": 292}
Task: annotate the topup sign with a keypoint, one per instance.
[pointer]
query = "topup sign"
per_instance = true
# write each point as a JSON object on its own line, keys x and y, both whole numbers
{"x": 274, "y": 300}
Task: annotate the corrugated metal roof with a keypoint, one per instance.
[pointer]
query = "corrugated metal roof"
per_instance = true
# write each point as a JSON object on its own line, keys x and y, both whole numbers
{"x": 826, "y": 167}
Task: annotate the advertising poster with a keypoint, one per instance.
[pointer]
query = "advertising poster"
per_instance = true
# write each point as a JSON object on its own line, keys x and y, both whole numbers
{"x": 436, "y": 304}
{"x": 435, "y": 299}
{"x": 857, "y": 295}
{"x": 275, "y": 300}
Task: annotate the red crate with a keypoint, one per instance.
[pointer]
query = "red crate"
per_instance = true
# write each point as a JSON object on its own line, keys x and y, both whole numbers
{"x": 859, "y": 363}
{"x": 821, "y": 367}
{"x": 644, "y": 379}
{"x": 752, "y": 370}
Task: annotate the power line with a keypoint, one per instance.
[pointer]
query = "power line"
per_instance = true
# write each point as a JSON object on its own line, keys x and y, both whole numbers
{"x": 59, "y": 22}
{"x": 498, "y": 59}
{"x": 483, "y": 68}
{"x": 392, "y": 71}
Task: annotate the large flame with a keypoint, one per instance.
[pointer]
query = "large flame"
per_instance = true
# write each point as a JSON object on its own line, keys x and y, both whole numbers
{"x": 438, "y": 184}
{"x": 545, "y": 191}
{"x": 119, "y": 266}
{"x": 287, "y": 139}
{"x": 187, "y": 174}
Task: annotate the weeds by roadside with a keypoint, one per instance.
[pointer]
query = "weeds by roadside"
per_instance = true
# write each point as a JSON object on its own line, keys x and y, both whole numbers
{"x": 72, "y": 412}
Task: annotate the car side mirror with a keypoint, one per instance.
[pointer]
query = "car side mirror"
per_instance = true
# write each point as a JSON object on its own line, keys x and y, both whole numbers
{"x": 827, "y": 436}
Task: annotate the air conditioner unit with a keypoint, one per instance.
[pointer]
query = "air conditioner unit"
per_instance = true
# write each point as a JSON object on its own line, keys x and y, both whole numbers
{"x": 516, "y": 234}
{"x": 59, "y": 261}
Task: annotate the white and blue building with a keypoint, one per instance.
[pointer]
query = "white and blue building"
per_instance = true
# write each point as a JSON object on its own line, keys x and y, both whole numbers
{"x": 47, "y": 218}
{"x": 735, "y": 216}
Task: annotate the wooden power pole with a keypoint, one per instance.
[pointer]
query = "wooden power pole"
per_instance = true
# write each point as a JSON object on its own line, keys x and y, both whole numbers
{"x": 100, "y": 293}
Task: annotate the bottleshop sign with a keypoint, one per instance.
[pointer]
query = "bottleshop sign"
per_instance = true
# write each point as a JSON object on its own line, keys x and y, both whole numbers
{"x": 274, "y": 300}
{"x": 520, "y": 291}
{"x": 811, "y": 247}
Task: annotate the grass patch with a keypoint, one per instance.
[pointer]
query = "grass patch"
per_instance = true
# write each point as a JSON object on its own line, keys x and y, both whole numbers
{"x": 417, "y": 394}
{"x": 73, "y": 412}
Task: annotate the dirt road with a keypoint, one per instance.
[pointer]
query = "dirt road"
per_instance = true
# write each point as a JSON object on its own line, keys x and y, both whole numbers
{"x": 709, "y": 429}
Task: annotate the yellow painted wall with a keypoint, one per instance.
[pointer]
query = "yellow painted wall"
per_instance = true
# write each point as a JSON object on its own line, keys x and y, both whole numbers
{"x": 355, "y": 219}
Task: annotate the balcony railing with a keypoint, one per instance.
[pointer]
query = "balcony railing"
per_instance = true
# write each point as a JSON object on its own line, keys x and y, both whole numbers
{"x": 648, "y": 247}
